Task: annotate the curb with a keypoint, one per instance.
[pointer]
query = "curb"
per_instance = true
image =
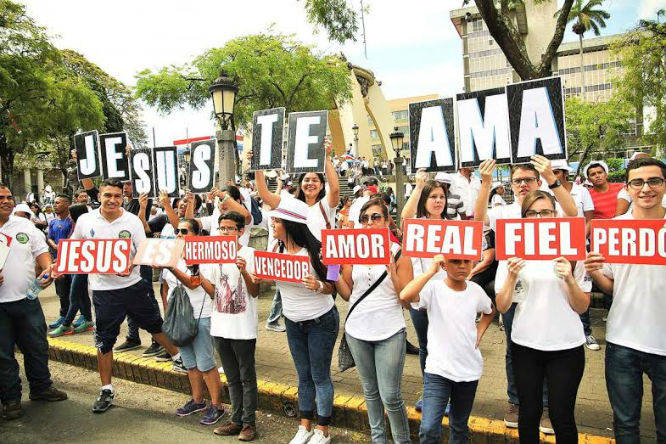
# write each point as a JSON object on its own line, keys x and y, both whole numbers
{"x": 348, "y": 411}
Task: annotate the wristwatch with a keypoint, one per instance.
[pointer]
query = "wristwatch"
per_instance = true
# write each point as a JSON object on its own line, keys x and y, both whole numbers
{"x": 555, "y": 184}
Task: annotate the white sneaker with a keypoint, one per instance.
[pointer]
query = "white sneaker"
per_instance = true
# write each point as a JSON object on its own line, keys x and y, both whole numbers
{"x": 319, "y": 438}
{"x": 591, "y": 343}
{"x": 302, "y": 436}
{"x": 220, "y": 370}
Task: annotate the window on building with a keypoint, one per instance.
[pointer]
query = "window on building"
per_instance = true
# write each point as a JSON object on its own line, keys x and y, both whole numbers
{"x": 373, "y": 134}
{"x": 400, "y": 115}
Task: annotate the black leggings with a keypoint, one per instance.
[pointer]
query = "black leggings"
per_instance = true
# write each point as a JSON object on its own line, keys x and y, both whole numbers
{"x": 564, "y": 371}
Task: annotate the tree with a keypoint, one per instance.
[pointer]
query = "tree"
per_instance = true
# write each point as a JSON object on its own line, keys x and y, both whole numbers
{"x": 643, "y": 55}
{"x": 271, "y": 70}
{"x": 340, "y": 21}
{"x": 585, "y": 17}
{"x": 596, "y": 127}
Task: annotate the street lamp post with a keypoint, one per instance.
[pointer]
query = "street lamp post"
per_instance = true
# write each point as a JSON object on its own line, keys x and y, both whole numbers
{"x": 186, "y": 169}
{"x": 355, "y": 130}
{"x": 396, "y": 141}
{"x": 223, "y": 91}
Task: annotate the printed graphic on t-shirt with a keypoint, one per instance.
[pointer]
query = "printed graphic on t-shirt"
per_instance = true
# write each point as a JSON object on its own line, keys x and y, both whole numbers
{"x": 230, "y": 300}
{"x": 519, "y": 293}
{"x": 22, "y": 238}
{"x": 124, "y": 234}
{"x": 5, "y": 239}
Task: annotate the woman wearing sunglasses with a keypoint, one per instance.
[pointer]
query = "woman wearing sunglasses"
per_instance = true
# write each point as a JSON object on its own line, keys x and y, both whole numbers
{"x": 375, "y": 329}
{"x": 547, "y": 333}
{"x": 198, "y": 357}
{"x": 427, "y": 201}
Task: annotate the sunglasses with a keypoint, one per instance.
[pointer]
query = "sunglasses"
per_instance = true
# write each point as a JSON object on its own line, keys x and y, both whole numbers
{"x": 182, "y": 231}
{"x": 374, "y": 217}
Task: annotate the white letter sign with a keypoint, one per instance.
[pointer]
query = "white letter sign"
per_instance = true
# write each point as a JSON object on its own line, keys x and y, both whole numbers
{"x": 87, "y": 155}
{"x": 202, "y": 166}
{"x": 431, "y": 131}
{"x": 267, "y": 131}
{"x": 305, "y": 149}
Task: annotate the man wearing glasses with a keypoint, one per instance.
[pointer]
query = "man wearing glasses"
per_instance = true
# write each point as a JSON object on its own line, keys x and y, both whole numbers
{"x": 525, "y": 178}
{"x": 635, "y": 332}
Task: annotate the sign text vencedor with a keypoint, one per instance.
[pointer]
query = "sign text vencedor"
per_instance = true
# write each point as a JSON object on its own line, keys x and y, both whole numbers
{"x": 629, "y": 241}
{"x": 281, "y": 267}
{"x": 453, "y": 239}
{"x": 541, "y": 239}
{"x": 99, "y": 256}
{"x": 210, "y": 249}
{"x": 356, "y": 246}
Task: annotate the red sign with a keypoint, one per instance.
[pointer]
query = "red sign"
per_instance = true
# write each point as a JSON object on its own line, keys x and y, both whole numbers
{"x": 368, "y": 246}
{"x": 158, "y": 252}
{"x": 630, "y": 241}
{"x": 454, "y": 239}
{"x": 98, "y": 256}
{"x": 540, "y": 239}
{"x": 210, "y": 249}
{"x": 281, "y": 267}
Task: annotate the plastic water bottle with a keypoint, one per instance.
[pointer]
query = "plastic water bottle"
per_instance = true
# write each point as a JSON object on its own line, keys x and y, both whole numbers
{"x": 34, "y": 289}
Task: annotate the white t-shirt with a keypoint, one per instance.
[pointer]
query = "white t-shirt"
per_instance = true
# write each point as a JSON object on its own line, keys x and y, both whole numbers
{"x": 298, "y": 302}
{"x": 544, "y": 320}
{"x": 636, "y": 317}
{"x": 579, "y": 194}
{"x": 355, "y": 210}
{"x": 316, "y": 221}
{"x": 93, "y": 225}
{"x": 379, "y": 315}
{"x": 468, "y": 189}
{"x": 452, "y": 351}
{"x": 199, "y": 299}
{"x": 497, "y": 201}
{"x": 25, "y": 243}
{"x": 234, "y": 313}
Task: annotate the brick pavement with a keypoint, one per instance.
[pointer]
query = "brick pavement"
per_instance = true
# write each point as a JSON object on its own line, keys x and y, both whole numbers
{"x": 274, "y": 363}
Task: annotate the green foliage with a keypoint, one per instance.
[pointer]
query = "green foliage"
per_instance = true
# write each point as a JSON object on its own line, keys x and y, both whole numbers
{"x": 338, "y": 19}
{"x": 643, "y": 54}
{"x": 585, "y": 17}
{"x": 271, "y": 70}
{"x": 616, "y": 169}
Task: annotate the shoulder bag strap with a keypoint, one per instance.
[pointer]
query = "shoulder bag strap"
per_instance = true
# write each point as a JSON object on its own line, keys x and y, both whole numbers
{"x": 323, "y": 213}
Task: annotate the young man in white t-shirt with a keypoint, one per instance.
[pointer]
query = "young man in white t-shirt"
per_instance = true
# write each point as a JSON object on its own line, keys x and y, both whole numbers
{"x": 234, "y": 328}
{"x": 117, "y": 296}
{"x": 636, "y": 331}
{"x": 454, "y": 364}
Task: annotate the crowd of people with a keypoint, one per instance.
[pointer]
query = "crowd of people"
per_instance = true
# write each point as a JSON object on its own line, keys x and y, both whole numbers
{"x": 544, "y": 305}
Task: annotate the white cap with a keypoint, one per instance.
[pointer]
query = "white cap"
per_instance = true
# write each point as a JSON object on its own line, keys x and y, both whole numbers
{"x": 560, "y": 164}
{"x": 356, "y": 189}
{"x": 291, "y": 209}
{"x": 444, "y": 178}
{"x": 497, "y": 185}
{"x": 24, "y": 208}
{"x": 600, "y": 163}
{"x": 636, "y": 154}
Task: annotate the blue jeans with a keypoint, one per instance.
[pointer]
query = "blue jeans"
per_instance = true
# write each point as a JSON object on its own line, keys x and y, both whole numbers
{"x": 420, "y": 321}
{"x": 437, "y": 392}
{"x": 585, "y": 319}
{"x": 78, "y": 299}
{"x": 276, "y": 309}
{"x": 624, "y": 380}
{"x": 511, "y": 391}
{"x": 132, "y": 326}
{"x": 380, "y": 365}
{"x": 311, "y": 345}
{"x": 22, "y": 324}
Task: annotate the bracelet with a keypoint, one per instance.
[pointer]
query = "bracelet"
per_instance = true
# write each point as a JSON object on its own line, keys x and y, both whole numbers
{"x": 321, "y": 286}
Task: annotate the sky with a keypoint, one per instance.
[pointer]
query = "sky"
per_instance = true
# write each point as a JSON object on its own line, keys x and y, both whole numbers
{"x": 412, "y": 46}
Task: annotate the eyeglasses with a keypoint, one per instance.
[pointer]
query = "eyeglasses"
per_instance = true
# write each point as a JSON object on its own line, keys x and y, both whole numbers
{"x": 653, "y": 182}
{"x": 227, "y": 229}
{"x": 542, "y": 213}
{"x": 182, "y": 231}
{"x": 374, "y": 216}
{"x": 527, "y": 180}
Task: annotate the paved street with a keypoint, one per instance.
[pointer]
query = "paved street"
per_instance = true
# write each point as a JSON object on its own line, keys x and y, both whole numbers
{"x": 274, "y": 363}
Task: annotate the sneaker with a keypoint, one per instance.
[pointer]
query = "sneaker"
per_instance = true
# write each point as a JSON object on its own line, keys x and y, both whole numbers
{"x": 80, "y": 320}
{"x": 57, "y": 323}
{"x": 128, "y": 345}
{"x": 545, "y": 426}
{"x": 178, "y": 366}
{"x": 447, "y": 410}
{"x": 591, "y": 342}
{"x": 302, "y": 436}
{"x": 248, "y": 433}
{"x": 213, "y": 414}
{"x": 511, "y": 416}
{"x": 419, "y": 404}
{"x": 61, "y": 330}
{"x": 154, "y": 350}
{"x": 163, "y": 357}
{"x": 220, "y": 370}
{"x": 12, "y": 410}
{"x": 411, "y": 349}
{"x": 84, "y": 327}
{"x": 276, "y": 327}
{"x": 228, "y": 429}
{"x": 191, "y": 407}
{"x": 51, "y": 394}
{"x": 501, "y": 326}
{"x": 104, "y": 402}
{"x": 319, "y": 438}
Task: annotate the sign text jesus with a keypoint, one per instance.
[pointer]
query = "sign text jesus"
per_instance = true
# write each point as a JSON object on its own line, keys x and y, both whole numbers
{"x": 99, "y": 256}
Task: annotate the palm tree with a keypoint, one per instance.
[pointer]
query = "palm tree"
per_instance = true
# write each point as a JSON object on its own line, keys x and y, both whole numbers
{"x": 585, "y": 17}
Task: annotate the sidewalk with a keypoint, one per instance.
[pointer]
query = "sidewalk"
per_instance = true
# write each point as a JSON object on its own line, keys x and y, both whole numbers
{"x": 274, "y": 364}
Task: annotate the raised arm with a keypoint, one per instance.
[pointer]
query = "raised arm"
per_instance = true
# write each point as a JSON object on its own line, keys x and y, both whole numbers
{"x": 270, "y": 199}
{"x": 409, "y": 210}
{"x": 486, "y": 170}
{"x": 345, "y": 285}
{"x": 143, "y": 203}
{"x": 165, "y": 201}
{"x": 563, "y": 197}
{"x": 411, "y": 291}
{"x": 331, "y": 178}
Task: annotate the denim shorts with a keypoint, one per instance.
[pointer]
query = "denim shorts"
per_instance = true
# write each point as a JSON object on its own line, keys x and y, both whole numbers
{"x": 199, "y": 353}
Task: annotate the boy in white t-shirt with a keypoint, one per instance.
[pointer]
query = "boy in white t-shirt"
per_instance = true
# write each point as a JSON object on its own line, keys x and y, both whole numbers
{"x": 454, "y": 364}
{"x": 635, "y": 332}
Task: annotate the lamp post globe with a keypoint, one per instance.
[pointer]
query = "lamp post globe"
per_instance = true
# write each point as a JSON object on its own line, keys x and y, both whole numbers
{"x": 223, "y": 92}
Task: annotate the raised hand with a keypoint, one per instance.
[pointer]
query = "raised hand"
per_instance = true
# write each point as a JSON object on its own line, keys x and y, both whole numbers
{"x": 515, "y": 264}
{"x": 544, "y": 168}
{"x": 486, "y": 170}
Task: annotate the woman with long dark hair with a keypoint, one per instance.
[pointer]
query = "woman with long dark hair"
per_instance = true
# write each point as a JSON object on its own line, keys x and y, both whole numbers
{"x": 311, "y": 319}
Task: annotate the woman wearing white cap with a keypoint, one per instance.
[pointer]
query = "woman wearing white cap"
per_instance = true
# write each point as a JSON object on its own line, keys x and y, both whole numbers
{"x": 311, "y": 319}
{"x": 496, "y": 193}
{"x": 375, "y": 329}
